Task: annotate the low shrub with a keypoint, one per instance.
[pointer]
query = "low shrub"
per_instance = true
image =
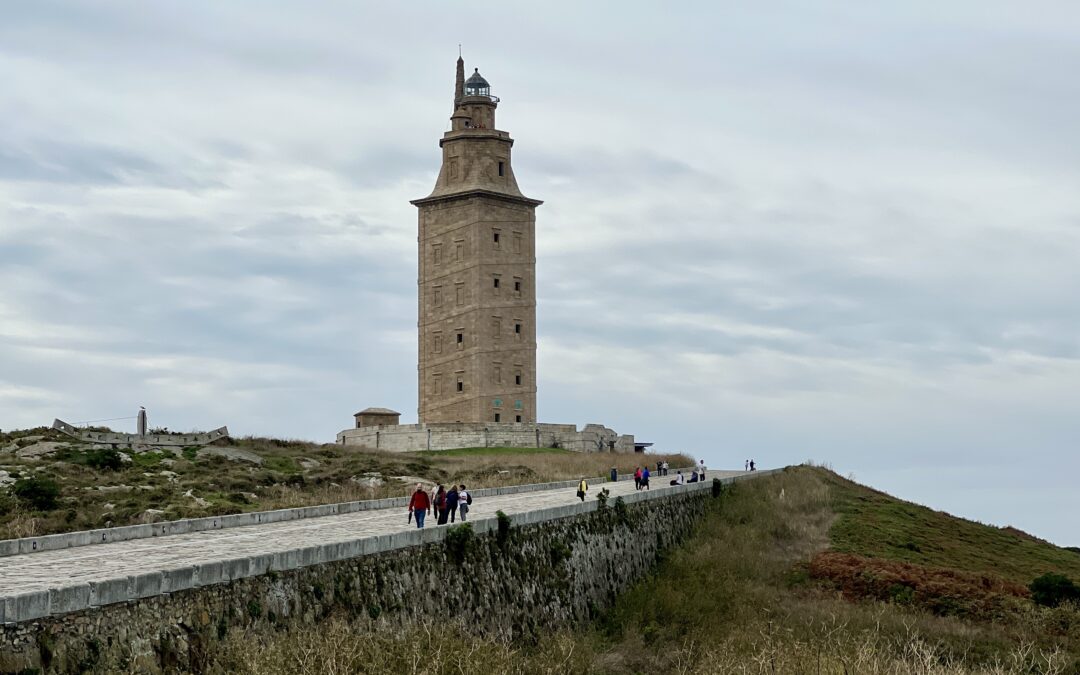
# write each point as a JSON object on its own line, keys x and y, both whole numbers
{"x": 41, "y": 494}
{"x": 1050, "y": 590}
{"x": 104, "y": 459}
{"x": 459, "y": 541}
{"x": 502, "y": 534}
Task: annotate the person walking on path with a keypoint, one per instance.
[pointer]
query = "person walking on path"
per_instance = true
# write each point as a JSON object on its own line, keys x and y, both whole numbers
{"x": 752, "y": 468}
{"x": 464, "y": 502}
{"x": 582, "y": 489}
{"x": 452, "y": 502}
{"x": 701, "y": 471}
{"x": 440, "y": 505}
{"x": 747, "y": 467}
{"x": 637, "y": 477}
{"x": 419, "y": 505}
{"x": 645, "y": 479}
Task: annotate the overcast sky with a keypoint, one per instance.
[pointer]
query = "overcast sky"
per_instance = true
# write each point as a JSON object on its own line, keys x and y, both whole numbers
{"x": 839, "y": 231}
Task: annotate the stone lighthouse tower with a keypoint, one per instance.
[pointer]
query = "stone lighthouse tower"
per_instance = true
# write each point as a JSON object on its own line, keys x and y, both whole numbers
{"x": 477, "y": 277}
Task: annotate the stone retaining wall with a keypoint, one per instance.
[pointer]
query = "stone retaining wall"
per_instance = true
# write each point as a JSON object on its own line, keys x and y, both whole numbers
{"x": 554, "y": 565}
{"x": 449, "y": 436}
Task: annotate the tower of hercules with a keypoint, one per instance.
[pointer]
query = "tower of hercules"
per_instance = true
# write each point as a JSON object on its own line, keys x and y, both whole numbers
{"x": 477, "y": 277}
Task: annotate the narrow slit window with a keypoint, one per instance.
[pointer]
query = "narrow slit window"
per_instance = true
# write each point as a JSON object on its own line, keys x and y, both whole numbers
{"x": 461, "y": 384}
{"x": 517, "y": 378}
{"x": 460, "y": 338}
{"x": 497, "y": 417}
{"x": 501, "y": 169}
{"x": 518, "y": 418}
{"x": 517, "y": 329}
{"x": 496, "y": 282}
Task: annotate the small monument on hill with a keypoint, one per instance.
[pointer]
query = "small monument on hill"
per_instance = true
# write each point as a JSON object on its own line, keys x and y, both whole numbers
{"x": 143, "y": 436}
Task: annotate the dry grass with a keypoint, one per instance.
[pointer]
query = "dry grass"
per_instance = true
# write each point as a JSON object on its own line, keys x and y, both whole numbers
{"x": 735, "y": 599}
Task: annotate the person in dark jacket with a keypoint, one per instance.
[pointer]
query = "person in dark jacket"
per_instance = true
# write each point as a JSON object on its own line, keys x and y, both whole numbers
{"x": 439, "y": 504}
{"x": 419, "y": 505}
{"x": 452, "y": 503}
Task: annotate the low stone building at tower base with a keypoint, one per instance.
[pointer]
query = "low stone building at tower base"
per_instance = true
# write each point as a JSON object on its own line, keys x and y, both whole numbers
{"x": 448, "y": 436}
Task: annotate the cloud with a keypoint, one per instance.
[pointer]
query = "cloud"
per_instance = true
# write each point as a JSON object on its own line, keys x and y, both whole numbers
{"x": 791, "y": 232}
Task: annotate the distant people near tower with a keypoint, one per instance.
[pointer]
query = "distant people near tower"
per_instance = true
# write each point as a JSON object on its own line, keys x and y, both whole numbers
{"x": 477, "y": 276}
{"x": 752, "y": 468}
{"x": 747, "y": 467}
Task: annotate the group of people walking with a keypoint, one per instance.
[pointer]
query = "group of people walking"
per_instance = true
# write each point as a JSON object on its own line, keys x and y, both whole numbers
{"x": 750, "y": 465}
{"x": 641, "y": 478}
{"x": 445, "y": 504}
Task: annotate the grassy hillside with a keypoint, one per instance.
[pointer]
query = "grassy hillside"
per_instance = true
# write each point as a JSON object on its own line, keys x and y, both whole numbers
{"x": 874, "y": 524}
{"x": 751, "y": 592}
{"x": 96, "y": 487}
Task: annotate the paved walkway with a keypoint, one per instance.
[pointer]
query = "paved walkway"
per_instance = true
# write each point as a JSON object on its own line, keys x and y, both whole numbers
{"x": 101, "y": 562}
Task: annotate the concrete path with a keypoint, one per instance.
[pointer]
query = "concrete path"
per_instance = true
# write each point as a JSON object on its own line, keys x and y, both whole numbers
{"x": 102, "y": 562}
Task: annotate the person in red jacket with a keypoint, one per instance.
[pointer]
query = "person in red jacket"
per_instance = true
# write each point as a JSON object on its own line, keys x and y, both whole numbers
{"x": 419, "y": 505}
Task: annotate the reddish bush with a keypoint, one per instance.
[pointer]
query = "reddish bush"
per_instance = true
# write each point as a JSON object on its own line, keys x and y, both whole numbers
{"x": 940, "y": 590}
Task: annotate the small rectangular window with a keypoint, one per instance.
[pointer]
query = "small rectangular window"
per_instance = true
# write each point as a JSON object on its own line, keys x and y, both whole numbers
{"x": 460, "y": 384}
{"x": 495, "y": 239}
{"x": 438, "y": 343}
{"x": 436, "y": 296}
{"x": 460, "y": 338}
{"x": 459, "y": 251}
{"x": 517, "y": 378}
{"x": 518, "y": 418}
{"x": 497, "y": 416}
{"x": 496, "y": 282}
{"x": 517, "y": 286}
{"x": 517, "y": 329}
{"x": 500, "y": 168}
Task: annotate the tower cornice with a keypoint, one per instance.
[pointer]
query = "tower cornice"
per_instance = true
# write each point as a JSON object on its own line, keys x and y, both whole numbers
{"x": 465, "y": 194}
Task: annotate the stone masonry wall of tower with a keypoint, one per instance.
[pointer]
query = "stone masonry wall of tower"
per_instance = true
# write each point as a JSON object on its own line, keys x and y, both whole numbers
{"x": 477, "y": 274}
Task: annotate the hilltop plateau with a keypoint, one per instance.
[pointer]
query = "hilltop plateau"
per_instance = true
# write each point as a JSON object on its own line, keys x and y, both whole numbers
{"x": 50, "y": 482}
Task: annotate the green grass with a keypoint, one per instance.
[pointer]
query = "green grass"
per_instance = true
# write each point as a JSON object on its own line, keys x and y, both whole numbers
{"x": 485, "y": 452}
{"x": 148, "y": 460}
{"x": 285, "y": 465}
{"x": 874, "y": 524}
